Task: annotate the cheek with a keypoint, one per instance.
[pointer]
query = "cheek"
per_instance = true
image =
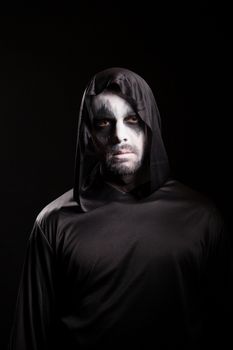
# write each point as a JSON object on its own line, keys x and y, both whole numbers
{"x": 101, "y": 140}
{"x": 141, "y": 143}
{"x": 138, "y": 138}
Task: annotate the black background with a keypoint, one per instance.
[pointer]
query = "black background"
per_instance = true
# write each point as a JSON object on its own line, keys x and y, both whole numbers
{"x": 49, "y": 52}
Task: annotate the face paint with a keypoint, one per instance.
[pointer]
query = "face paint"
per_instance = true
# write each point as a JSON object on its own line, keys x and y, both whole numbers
{"x": 118, "y": 133}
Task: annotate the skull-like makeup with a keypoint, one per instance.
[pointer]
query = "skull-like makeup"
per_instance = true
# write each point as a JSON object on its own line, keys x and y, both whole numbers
{"x": 118, "y": 133}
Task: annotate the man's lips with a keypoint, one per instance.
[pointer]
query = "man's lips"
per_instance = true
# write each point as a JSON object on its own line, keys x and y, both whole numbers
{"x": 121, "y": 152}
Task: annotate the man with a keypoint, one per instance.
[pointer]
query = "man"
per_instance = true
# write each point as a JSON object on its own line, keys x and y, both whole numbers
{"x": 129, "y": 257}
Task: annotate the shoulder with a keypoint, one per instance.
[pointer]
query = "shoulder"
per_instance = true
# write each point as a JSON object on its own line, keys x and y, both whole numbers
{"x": 52, "y": 213}
{"x": 181, "y": 193}
{"x": 193, "y": 204}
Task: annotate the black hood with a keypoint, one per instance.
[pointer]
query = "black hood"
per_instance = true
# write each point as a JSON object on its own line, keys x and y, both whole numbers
{"x": 89, "y": 191}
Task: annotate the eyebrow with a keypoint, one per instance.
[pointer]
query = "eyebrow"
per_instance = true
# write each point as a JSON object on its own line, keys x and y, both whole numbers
{"x": 105, "y": 112}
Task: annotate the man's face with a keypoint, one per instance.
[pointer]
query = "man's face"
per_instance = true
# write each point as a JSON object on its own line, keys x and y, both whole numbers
{"x": 118, "y": 133}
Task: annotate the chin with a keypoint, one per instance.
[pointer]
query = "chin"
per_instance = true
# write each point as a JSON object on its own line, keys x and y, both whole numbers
{"x": 123, "y": 168}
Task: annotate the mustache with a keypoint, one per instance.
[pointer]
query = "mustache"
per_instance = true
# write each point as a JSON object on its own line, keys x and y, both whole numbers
{"x": 117, "y": 148}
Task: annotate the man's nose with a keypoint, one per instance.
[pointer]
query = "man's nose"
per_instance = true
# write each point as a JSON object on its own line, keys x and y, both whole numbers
{"x": 120, "y": 133}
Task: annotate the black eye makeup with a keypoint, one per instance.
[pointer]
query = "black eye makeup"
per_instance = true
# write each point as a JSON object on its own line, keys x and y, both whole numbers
{"x": 132, "y": 119}
{"x": 105, "y": 120}
{"x": 102, "y": 122}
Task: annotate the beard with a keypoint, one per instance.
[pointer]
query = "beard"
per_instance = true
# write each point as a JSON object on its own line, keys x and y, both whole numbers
{"x": 123, "y": 166}
{"x": 120, "y": 168}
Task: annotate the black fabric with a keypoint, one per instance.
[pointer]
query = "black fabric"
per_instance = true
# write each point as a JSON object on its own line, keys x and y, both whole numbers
{"x": 129, "y": 272}
{"x": 105, "y": 269}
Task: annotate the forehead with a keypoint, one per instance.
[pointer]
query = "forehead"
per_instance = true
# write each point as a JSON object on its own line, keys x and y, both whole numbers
{"x": 109, "y": 102}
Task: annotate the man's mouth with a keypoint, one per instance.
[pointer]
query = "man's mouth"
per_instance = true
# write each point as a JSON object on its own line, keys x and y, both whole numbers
{"x": 121, "y": 152}
{"x": 121, "y": 155}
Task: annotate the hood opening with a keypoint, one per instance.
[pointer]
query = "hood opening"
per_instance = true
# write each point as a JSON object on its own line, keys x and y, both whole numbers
{"x": 90, "y": 191}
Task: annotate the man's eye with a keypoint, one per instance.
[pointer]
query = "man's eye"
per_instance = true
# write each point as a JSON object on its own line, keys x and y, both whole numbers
{"x": 102, "y": 123}
{"x": 133, "y": 119}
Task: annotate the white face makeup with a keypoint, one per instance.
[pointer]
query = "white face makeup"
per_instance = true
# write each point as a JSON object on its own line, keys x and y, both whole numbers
{"x": 118, "y": 133}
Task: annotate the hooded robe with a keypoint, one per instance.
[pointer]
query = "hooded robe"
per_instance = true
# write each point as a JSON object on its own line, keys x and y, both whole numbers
{"x": 147, "y": 269}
